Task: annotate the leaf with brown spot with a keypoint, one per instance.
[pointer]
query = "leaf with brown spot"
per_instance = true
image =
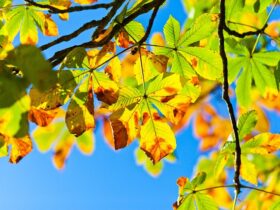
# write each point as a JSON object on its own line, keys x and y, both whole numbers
{"x": 79, "y": 116}
{"x": 123, "y": 39}
{"x": 105, "y": 89}
{"x": 263, "y": 144}
{"x": 59, "y": 94}
{"x": 124, "y": 124}
{"x": 157, "y": 138}
{"x": 136, "y": 110}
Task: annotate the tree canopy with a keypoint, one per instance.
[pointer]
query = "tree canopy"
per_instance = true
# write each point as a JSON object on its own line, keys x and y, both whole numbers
{"x": 147, "y": 87}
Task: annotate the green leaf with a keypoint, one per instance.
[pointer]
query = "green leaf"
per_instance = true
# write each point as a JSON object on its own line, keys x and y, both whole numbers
{"x": 35, "y": 68}
{"x": 207, "y": 63}
{"x": 247, "y": 123}
{"x": 136, "y": 30}
{"x": 85, "y": 142}
{"x": 45, "y": 137}
{"x": 75, "y": 58}
{"x": 199, "y": 179}
{"x": 277, "y": 76}
{"x": 263, "y": 77}
{"x": 234, "y": 67}
{"x": 188, "y": 203}
{"x": 8, "y": 95}
{"x": 181, "y": 66}
{"x": 204, "y": 201}
{"x": 243, "y": 86}
{"x": 171, "y": 31}
{"x": 275, "y": 206}
{"x": 3, "y": 147}
{"x": 28, "y": 31}
{"x": 13, "y": 119}
{"x": 15, "y": 17}
{"x": 202, "y": 28}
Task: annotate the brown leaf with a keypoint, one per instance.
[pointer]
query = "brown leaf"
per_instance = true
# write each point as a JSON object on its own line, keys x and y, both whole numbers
{"x": 108, "y": 96}
{"x": 41, "y": 117}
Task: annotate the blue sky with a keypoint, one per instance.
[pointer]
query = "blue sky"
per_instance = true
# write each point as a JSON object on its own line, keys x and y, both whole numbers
{"x": 107, "y": 180}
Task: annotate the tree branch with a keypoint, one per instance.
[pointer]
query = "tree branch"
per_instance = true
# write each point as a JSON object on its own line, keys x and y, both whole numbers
{"x": 248, "y": 33}
{"x": 59, "y": 56}
{"x": 86, "y": 26}
{"x": 55, "y": 10}
{"x": 151, "y": 22}
{"x": 226, "y": 97}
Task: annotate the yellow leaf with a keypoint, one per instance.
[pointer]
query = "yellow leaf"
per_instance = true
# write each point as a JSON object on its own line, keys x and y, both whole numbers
{"x": 62, "y": 151}
{"x": 85, "y": 142}
{"x": 85, "y": 1}
{"x": 79, "y": 116}
{"x": 157, "y": 138}
{"x": 248, "y": 171}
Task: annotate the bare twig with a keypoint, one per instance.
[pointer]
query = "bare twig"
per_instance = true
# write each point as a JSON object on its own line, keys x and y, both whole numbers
{"x": 86, "y": 26}
{"x": 59, "y": 56}
{"x": 248, "y": 33}
{"x": 226, "y": 97}
{"x": 53, "y": 9}
{"x": 151, "y": 22}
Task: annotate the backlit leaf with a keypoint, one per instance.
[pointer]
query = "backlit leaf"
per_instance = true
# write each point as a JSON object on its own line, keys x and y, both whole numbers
{"x": 248, "y": 170}
{"x": 85, "y": 142}
{"x": 264, "y": 143}
{"x": 203, "y": 27}
{"x": 171, "y": 31}
{"x": 79, "y": 116}
{"x": 247, "y": 123}
{"x": 205, "y": 62}
{"x": 204, "y": 201}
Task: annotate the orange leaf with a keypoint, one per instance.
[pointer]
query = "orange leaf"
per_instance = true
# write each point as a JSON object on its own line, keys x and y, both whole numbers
{"x": 41, "y": 117}
{"x": 108, "y": 134}
{"x": 62, "y": 151}
{"x": 20, "y": 148}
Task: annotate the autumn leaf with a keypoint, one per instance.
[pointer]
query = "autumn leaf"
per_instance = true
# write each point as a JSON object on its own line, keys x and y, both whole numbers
{"x": 20, "y": 147}
{"x": 79, "y": 116}
{"x": 170, "y": 95}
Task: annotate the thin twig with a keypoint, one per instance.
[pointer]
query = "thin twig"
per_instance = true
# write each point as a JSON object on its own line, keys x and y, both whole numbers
{"x": 248, "y": 33}
{"x": 59, "y": 55}
{"x": 151, "y": 22}
{"x": 55, "y": 10}
{"x": 226, "y": 97}
{"x": 86, "y": 26}
{"x": 260, "y": 190}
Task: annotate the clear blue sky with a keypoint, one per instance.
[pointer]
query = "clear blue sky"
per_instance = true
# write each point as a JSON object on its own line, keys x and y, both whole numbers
{"x": 107, "y": 180}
